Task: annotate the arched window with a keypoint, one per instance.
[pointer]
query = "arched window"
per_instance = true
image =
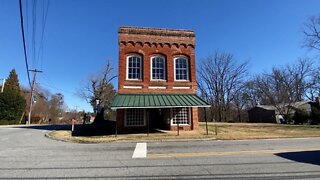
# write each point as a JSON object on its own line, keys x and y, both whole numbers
{"x": 158, "y": 68}
{"x": 181, "y": 69}
{"x": 134, "y": 67}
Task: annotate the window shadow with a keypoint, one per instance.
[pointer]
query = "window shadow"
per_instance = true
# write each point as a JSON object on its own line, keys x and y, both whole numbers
{"x": 310, "y": 157}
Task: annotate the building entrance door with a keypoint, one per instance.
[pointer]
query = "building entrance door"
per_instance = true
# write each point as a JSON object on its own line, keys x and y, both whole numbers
{"x": 156, "y": 118}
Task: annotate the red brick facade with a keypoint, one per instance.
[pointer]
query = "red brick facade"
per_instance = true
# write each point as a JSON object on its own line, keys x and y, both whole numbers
{"x": 148, "y": 42}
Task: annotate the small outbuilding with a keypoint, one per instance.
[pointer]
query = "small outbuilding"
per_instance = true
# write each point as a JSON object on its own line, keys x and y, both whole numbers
{"x": 262, "y": 114}
{"x": 275, "y": 114}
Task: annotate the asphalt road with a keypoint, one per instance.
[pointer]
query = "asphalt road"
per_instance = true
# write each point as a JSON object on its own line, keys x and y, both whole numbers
{"x": 25, "y": 153}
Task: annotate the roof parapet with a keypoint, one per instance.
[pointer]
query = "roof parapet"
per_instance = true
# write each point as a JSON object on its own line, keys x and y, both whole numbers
{"x": 156, "y": 31}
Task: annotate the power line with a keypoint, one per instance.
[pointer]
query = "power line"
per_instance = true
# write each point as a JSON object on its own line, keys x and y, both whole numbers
{"x": 45, "y": 81}
{"x": 34, "y": 28}
{"x": 44, "y": 20}
{"x": 24, "y": 42}
{"x": 59, "y": 89}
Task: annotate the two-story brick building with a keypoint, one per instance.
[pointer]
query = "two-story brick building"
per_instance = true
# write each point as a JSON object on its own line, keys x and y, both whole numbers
{"x": 157, "y": 80}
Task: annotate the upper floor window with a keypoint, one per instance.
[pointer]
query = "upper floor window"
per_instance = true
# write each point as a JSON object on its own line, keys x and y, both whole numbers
{"x": 158, "y": 68}
{"x": 134, "y": 67}
{"x": 181, "y": 68}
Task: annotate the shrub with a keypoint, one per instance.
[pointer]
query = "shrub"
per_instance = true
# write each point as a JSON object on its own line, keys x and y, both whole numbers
{"x": 300, "y": 116}
{"x": 4, "y": 122}
{"x": 315, "y": 115}
{"x": 288, "y": 118}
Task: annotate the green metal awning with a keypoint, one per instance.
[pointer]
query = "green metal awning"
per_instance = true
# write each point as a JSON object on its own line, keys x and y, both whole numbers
{"x": 125, "y": 101}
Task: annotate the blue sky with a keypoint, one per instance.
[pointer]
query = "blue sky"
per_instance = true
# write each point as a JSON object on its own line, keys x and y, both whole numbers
{"x": 80, "y": 35}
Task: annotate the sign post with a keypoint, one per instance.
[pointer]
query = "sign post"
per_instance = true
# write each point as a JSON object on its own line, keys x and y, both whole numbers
{"x": 72, "y": 127}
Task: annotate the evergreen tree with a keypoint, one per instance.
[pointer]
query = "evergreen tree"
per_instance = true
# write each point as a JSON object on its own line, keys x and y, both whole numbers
{"x": 12, "y": 102}
{"x": 12, "y": 106}
{"x": 12, "y": 82}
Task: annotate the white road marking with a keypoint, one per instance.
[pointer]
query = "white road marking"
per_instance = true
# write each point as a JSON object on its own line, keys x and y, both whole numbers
{"x": 140, "y": 151}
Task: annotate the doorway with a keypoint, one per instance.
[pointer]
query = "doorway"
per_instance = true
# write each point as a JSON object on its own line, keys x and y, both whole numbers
{"x": 156, "y": 118}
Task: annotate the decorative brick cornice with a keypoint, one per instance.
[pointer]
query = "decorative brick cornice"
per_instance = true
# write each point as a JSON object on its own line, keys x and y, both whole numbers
{"x": 156, "y": 31}
{"x": 158, "y": 36}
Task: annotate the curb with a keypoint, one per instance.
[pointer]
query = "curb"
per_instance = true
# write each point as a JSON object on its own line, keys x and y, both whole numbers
{"x": 170, "y": 140}
{"x": 167, "y": 140}
{"x": 47, "y": 135}
{"x": 56, "y": 139}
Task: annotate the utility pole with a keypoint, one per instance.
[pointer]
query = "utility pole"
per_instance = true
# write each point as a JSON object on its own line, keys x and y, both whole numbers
{"x": 35, "y": 71}
{"x": 3, "y": 82}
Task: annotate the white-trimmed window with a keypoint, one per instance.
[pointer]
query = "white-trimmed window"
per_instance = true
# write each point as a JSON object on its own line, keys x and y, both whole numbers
{"x": 135, "y": 117}
{"x": 158, "y": 68}
{"x": 180, "y": 116}
{"x": 181, "y": 69}
{"x": 134, "y": 67}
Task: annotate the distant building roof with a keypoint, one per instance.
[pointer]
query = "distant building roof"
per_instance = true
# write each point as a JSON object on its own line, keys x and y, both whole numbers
{"x": 267, "y": 107}
{"x": 293, "y": 105}
{"x": 300, "y": 103}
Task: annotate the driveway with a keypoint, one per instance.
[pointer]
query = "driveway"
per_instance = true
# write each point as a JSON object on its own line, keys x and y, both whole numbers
{"x": 25, "y": 153}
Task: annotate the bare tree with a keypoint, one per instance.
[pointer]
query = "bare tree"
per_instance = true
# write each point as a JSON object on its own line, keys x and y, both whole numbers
{"x": 40, "y": 109}
{"x": 285, "y": 85}
{"x": 272, "y": 88}
{"x": 312, "y": 33}
{"x": 219, "y": 78}
{"x": 313, "y": 87}
{"x": 301, "y": 74}
{"x": 252, "y": 94}
{"x": 241, "y": 101}
{"x": 56, "y": 105}
{"x": 99, "y": 87}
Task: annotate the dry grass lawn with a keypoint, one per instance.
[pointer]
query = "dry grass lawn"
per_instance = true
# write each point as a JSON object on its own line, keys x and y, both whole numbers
{"x": 233, "y": 131}
{"x": 225, "y": 131}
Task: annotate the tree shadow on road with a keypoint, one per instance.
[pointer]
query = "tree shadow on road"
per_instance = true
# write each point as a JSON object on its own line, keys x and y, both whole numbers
{"x": 310, "y": 157}
{"x": 106, "y": 127}
{"x": 48, "y": 127}
{"x": 97, "y": 128}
